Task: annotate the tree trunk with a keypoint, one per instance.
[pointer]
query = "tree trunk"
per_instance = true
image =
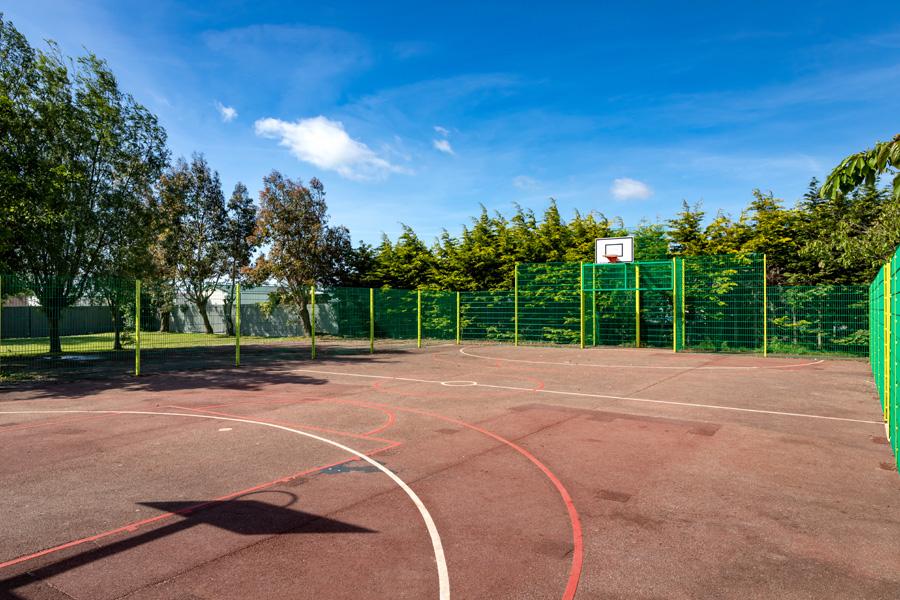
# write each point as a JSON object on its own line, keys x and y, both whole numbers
{"x": 304, "y": 316}
{"x": 53, "y": 313}
{"x": 165, "y": 317}
{"x": 201, "y": 306}
{"x": 117, "y": 327}
{"x": 229, "y": 321}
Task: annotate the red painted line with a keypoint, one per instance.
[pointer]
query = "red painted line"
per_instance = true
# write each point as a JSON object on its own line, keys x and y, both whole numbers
{"x": 391, "y": 419}
{"x": 48, "y": 422}
{"x": 134, "y": 526}
{"x": 360, "y": 436}
{"x": 577, "y": 539}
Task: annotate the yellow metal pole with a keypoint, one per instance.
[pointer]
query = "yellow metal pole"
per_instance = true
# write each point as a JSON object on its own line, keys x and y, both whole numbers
{"x": 637, "y": 306}
{"x": 595, "y": 320}
{"x": 237, "y": 326}
{"x": 457, "y": 318}
{"x": 516, "y": 306}
{"x": 371, "y": 321}
{"x": 581, "y": 296}
{"x": 765, "y": 308}
{"x": 1, "y": 320}
{"x": 683, "y": 294}
{"x": 674, "y": 305}
{"x": 418, "y": 318}
{"x": 887, "y": 340}
{"x": 137, "y": 328}
{"x": 312, "y": 320}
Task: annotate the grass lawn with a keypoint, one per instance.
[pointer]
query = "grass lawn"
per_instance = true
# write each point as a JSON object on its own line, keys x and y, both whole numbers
{"x": 150, "y": 340}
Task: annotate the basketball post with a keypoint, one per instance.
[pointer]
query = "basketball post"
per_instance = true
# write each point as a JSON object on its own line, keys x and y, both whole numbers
{"x": 371, "y": 320}
{"x": 516, "y": 306}
{"x": 237, "y": 326}
{"x": 312, "y": 320}
{"x": 137, "y": 328}
{"x": 581, "y": 297}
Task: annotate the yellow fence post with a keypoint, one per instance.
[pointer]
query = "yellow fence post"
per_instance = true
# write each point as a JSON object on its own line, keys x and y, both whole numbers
{"x": 595, "y": 319}
{"x": 516, "y": 306}
{"x": 683, "y": 320}
{"x": 1, "y": 320}
{"x": 457, "y": 318}
{"x": 371, "y": 320}
{"x": 765, "y": 308}
{"x": 237, "y": 326}
{"x": 637, "y": 306}
{"x": 418, "y": 318}
{"x": 137, "y": 327}
{"x": 674, "y": 304}
{"x": 887, "y": 340}
{"x": 581, "y": 297}
{"x": 312, "y": 320}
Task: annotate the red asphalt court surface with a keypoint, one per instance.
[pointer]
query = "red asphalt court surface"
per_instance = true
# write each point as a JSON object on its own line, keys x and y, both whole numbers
{"x": 464, "y": 472}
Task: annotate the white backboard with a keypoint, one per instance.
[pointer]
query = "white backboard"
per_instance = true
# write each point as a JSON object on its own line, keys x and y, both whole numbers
{"x": 621, "y": 247}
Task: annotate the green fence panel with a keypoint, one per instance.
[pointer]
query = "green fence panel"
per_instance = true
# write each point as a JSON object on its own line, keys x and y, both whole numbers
{"x": 818, "y": 319}
{"x": 487, "y": 316}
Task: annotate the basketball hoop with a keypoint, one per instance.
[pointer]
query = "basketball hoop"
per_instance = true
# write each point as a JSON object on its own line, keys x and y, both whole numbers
{"x": 613, "y": 258}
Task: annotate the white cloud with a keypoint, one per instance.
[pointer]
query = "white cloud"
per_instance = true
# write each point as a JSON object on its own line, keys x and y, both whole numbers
{"x": 443, "y": 146}
{"x": 228, "y": 113}
{"x": 630, "y": 189}
{"x": 327, "y": 145}
{"x": 442, "y": 130}
{"x": 525, "y": 183}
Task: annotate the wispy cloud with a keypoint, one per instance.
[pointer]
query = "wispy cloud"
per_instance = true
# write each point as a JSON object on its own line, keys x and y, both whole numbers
{"x": 443, "y": 146}
{"x": 525, "y": 183}
{"x": 442, "y": 130}
{"x": 228, "y": 113}
{"x": 625, "y": 188}
{"x": 325, "y": 144}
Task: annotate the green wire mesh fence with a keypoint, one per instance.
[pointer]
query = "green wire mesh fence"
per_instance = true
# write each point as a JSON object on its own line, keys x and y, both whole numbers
{"x": 884, "y": 346}
{"x": 715, "y": 304}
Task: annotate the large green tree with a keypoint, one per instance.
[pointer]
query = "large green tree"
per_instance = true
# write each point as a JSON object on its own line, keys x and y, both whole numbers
{"x": 78, "y": 156}
{"x": 192, "y": 242}
{"x": 302, "y": 249}
{"x": 239, "y": 244}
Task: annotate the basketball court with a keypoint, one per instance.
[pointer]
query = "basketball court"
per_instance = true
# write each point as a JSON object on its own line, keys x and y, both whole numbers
{"x": 471, "y": 471}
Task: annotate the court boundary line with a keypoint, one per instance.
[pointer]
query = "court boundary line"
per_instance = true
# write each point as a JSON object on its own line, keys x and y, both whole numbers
{"x": 605, "y": 397}
{"x": 464, "y": 352}
{"x": 431, "y": 527}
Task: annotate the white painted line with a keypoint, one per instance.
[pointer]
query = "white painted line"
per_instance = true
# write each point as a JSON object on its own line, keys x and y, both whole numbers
{"x": 225, "y": 429}
{"x": 595, "y": 365}
{"x": 465, "y": 383}
{"x": 606, "y": 397}
{"x": 440, "y": 559}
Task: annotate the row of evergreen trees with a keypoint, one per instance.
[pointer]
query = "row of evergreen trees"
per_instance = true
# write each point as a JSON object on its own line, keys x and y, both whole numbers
{"x": 843, "y": 240}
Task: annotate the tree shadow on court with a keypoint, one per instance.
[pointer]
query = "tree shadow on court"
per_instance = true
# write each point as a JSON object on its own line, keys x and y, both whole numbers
{"x": 240, "y": 516}
{"x": 197, "y": 371}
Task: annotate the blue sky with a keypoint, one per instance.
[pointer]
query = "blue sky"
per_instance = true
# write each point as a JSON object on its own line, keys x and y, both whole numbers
{"x": 417, "y": 113}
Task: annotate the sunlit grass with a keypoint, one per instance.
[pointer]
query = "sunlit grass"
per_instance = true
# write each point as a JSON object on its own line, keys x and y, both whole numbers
{"x": 150, "y": 340}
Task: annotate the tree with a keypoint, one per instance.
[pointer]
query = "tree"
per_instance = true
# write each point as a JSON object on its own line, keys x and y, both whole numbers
{"x": 865, "y": 168}
{"x": 77, "y": 158}
{"x": 193, "y": 242}
{"x": 304, "y": 250}
{"x": 685, "y": 231}
{"x": 239, "y": 243}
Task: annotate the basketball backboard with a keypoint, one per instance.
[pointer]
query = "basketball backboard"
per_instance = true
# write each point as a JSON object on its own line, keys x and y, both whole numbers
{"x": 615, "y": 250}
